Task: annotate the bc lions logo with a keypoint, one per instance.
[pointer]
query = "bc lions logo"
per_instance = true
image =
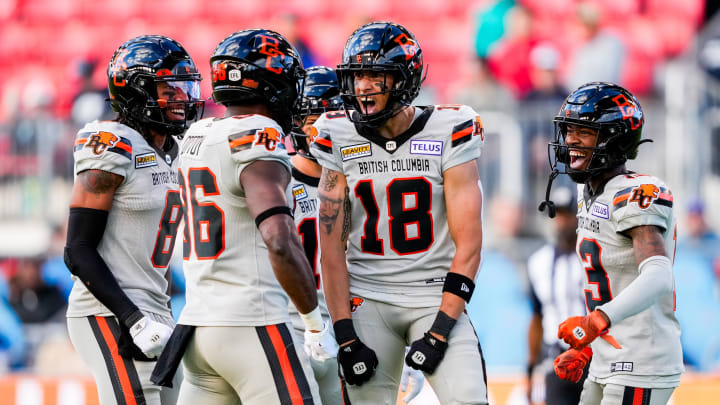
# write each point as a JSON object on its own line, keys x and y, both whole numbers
{"x": 628, "y": 110}
{"x": 478, "y": 128}
{"x": 268, "y": 138}
{"x": 101, "y": 141}
{"x": 355, "y": 303}
{"x": 313, "y": 134}
{"x": 644, "y": 195}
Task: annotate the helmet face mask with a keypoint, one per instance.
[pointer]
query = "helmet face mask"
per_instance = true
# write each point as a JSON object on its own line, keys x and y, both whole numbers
{"x": 139, "y": 69}
{"x": 258, "y": 66}
{"x": 381, "y": 48}
{"x": 320, "y": 94}
{"x": 610, "y": 110}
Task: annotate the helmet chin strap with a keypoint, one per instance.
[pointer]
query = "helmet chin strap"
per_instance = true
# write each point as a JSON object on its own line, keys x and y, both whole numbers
{"x": 548, "y": 203}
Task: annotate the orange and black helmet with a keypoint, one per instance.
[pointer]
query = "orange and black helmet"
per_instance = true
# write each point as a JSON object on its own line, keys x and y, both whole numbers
{"x": 258, "y": 66}
{"x": 134, "y": 72}
{"x": 611, "y": 110}
{"x": 383, "y": 47}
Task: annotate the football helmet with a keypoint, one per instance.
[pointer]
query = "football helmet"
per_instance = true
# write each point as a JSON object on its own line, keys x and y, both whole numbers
{"x": 136, "y": 70}
{"x": 384, "y": 47}
{"x": 617, "y": 116}
{"x": 258, "y": 66}
{"x": 611, "y": 110}
{"x": 320, "y": 94}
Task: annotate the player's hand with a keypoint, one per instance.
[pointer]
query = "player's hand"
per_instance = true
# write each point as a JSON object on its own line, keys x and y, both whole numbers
{"x": 356, "y": 362}
{"x": 415, "y": 378}
{"x": 321, "y": 345}
{"x": 570, "y": 364}
{"x": 426, "y": 353}
{"x": 150, "y": 336}
{"x": 579, "y": 331}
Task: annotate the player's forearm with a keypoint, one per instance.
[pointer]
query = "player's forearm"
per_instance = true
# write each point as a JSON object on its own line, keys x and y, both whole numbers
{"x": 655, "y": 281}
{"x": 336, "y": 283}
{"x": 466, "y": 263}
{"x": 535, "y": 331}
{"x": 333, "y": 229}
{"x": 86, "y": 227}
{"x": 289, "y": 262}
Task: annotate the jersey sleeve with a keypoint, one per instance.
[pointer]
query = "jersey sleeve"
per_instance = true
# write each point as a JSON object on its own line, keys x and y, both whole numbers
{"x": 99, "y": 149}
{"x": 263, "y": 141}
{"x": 645, "y": 201}
{"x": 465, "y": 138}
{"x": 322, "y": 147}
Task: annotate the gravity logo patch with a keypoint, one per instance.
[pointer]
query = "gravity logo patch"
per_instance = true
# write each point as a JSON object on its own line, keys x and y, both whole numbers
{"x": 426, "y": 147}
{"x": 356, "y": 151}
{"x": 145, "y": 160}
{"x": 299, "y": 192}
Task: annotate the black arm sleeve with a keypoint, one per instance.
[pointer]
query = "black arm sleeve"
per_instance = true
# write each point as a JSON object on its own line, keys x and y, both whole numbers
{"x": 86, "y": 227}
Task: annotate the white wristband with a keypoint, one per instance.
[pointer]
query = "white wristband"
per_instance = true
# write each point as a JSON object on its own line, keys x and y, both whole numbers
{"x": 313, "y": 320}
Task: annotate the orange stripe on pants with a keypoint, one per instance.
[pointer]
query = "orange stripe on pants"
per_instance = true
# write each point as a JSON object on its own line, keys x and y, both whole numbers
{"x": 638, "y": 396}
{"x": 287, "y": 370}
{"x": 118, "y": 361}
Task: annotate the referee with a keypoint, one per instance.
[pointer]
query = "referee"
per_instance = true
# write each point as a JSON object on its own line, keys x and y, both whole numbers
{"x": 556, "y": 291}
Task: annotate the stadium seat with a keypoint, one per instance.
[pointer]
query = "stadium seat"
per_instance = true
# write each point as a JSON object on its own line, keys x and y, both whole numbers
{"x": 34, "y": 11}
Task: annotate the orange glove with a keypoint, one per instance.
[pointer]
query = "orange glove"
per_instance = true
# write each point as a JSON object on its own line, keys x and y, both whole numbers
{"x": 579, "y": 331}
{"x": 570, "y": 364}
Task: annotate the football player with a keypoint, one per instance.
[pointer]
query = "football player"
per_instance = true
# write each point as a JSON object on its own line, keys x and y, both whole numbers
{"x": 626, "y": 242}
{"x": 242, "y": 255}
{"x": 125, "y": 210}
{"x": 321, "y": 94}
{"x": 399, "y": 186}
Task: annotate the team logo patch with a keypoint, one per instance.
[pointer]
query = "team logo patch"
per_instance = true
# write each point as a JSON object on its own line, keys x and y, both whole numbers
{"x": 644, "y": 195}
{"x": 145, "y": 160}
{"x": 356, "y": 151}
{"x": 101, "y": 141}
{"x": 426, "y": 147}
{"x": 621, "y": 366}
{"x": 234, "y": 75}
{"x": 355, "y": 303}
{"x": 299, "y": 192}
{"x": 600, "y": 210}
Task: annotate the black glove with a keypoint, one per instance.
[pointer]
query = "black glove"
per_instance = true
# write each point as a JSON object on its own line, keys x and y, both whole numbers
{"x": 356, "y": 363}
{"x": 425, "y": 354}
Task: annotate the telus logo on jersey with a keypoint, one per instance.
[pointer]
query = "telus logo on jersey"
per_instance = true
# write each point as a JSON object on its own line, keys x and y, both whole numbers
{"x": 426, "y": 147}
{"x": 356, "y": 151}
{"x": 600, "y": 210}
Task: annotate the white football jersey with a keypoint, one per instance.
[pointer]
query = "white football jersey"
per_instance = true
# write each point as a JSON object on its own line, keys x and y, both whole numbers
{"x": 229, "y": 279}
{"x": 651, "y": 355}
{"x": 304, "y": 189}
{"x": 399, "y": 248}
{"x": 144, "y": 218}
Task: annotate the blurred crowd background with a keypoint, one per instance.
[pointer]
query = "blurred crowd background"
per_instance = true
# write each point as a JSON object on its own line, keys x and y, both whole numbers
{"x": 514, "y": 61}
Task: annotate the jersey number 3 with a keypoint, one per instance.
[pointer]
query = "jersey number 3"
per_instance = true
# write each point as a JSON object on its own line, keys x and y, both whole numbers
{"x": 589, "y": 251}
{"x": 411, "y": 223}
